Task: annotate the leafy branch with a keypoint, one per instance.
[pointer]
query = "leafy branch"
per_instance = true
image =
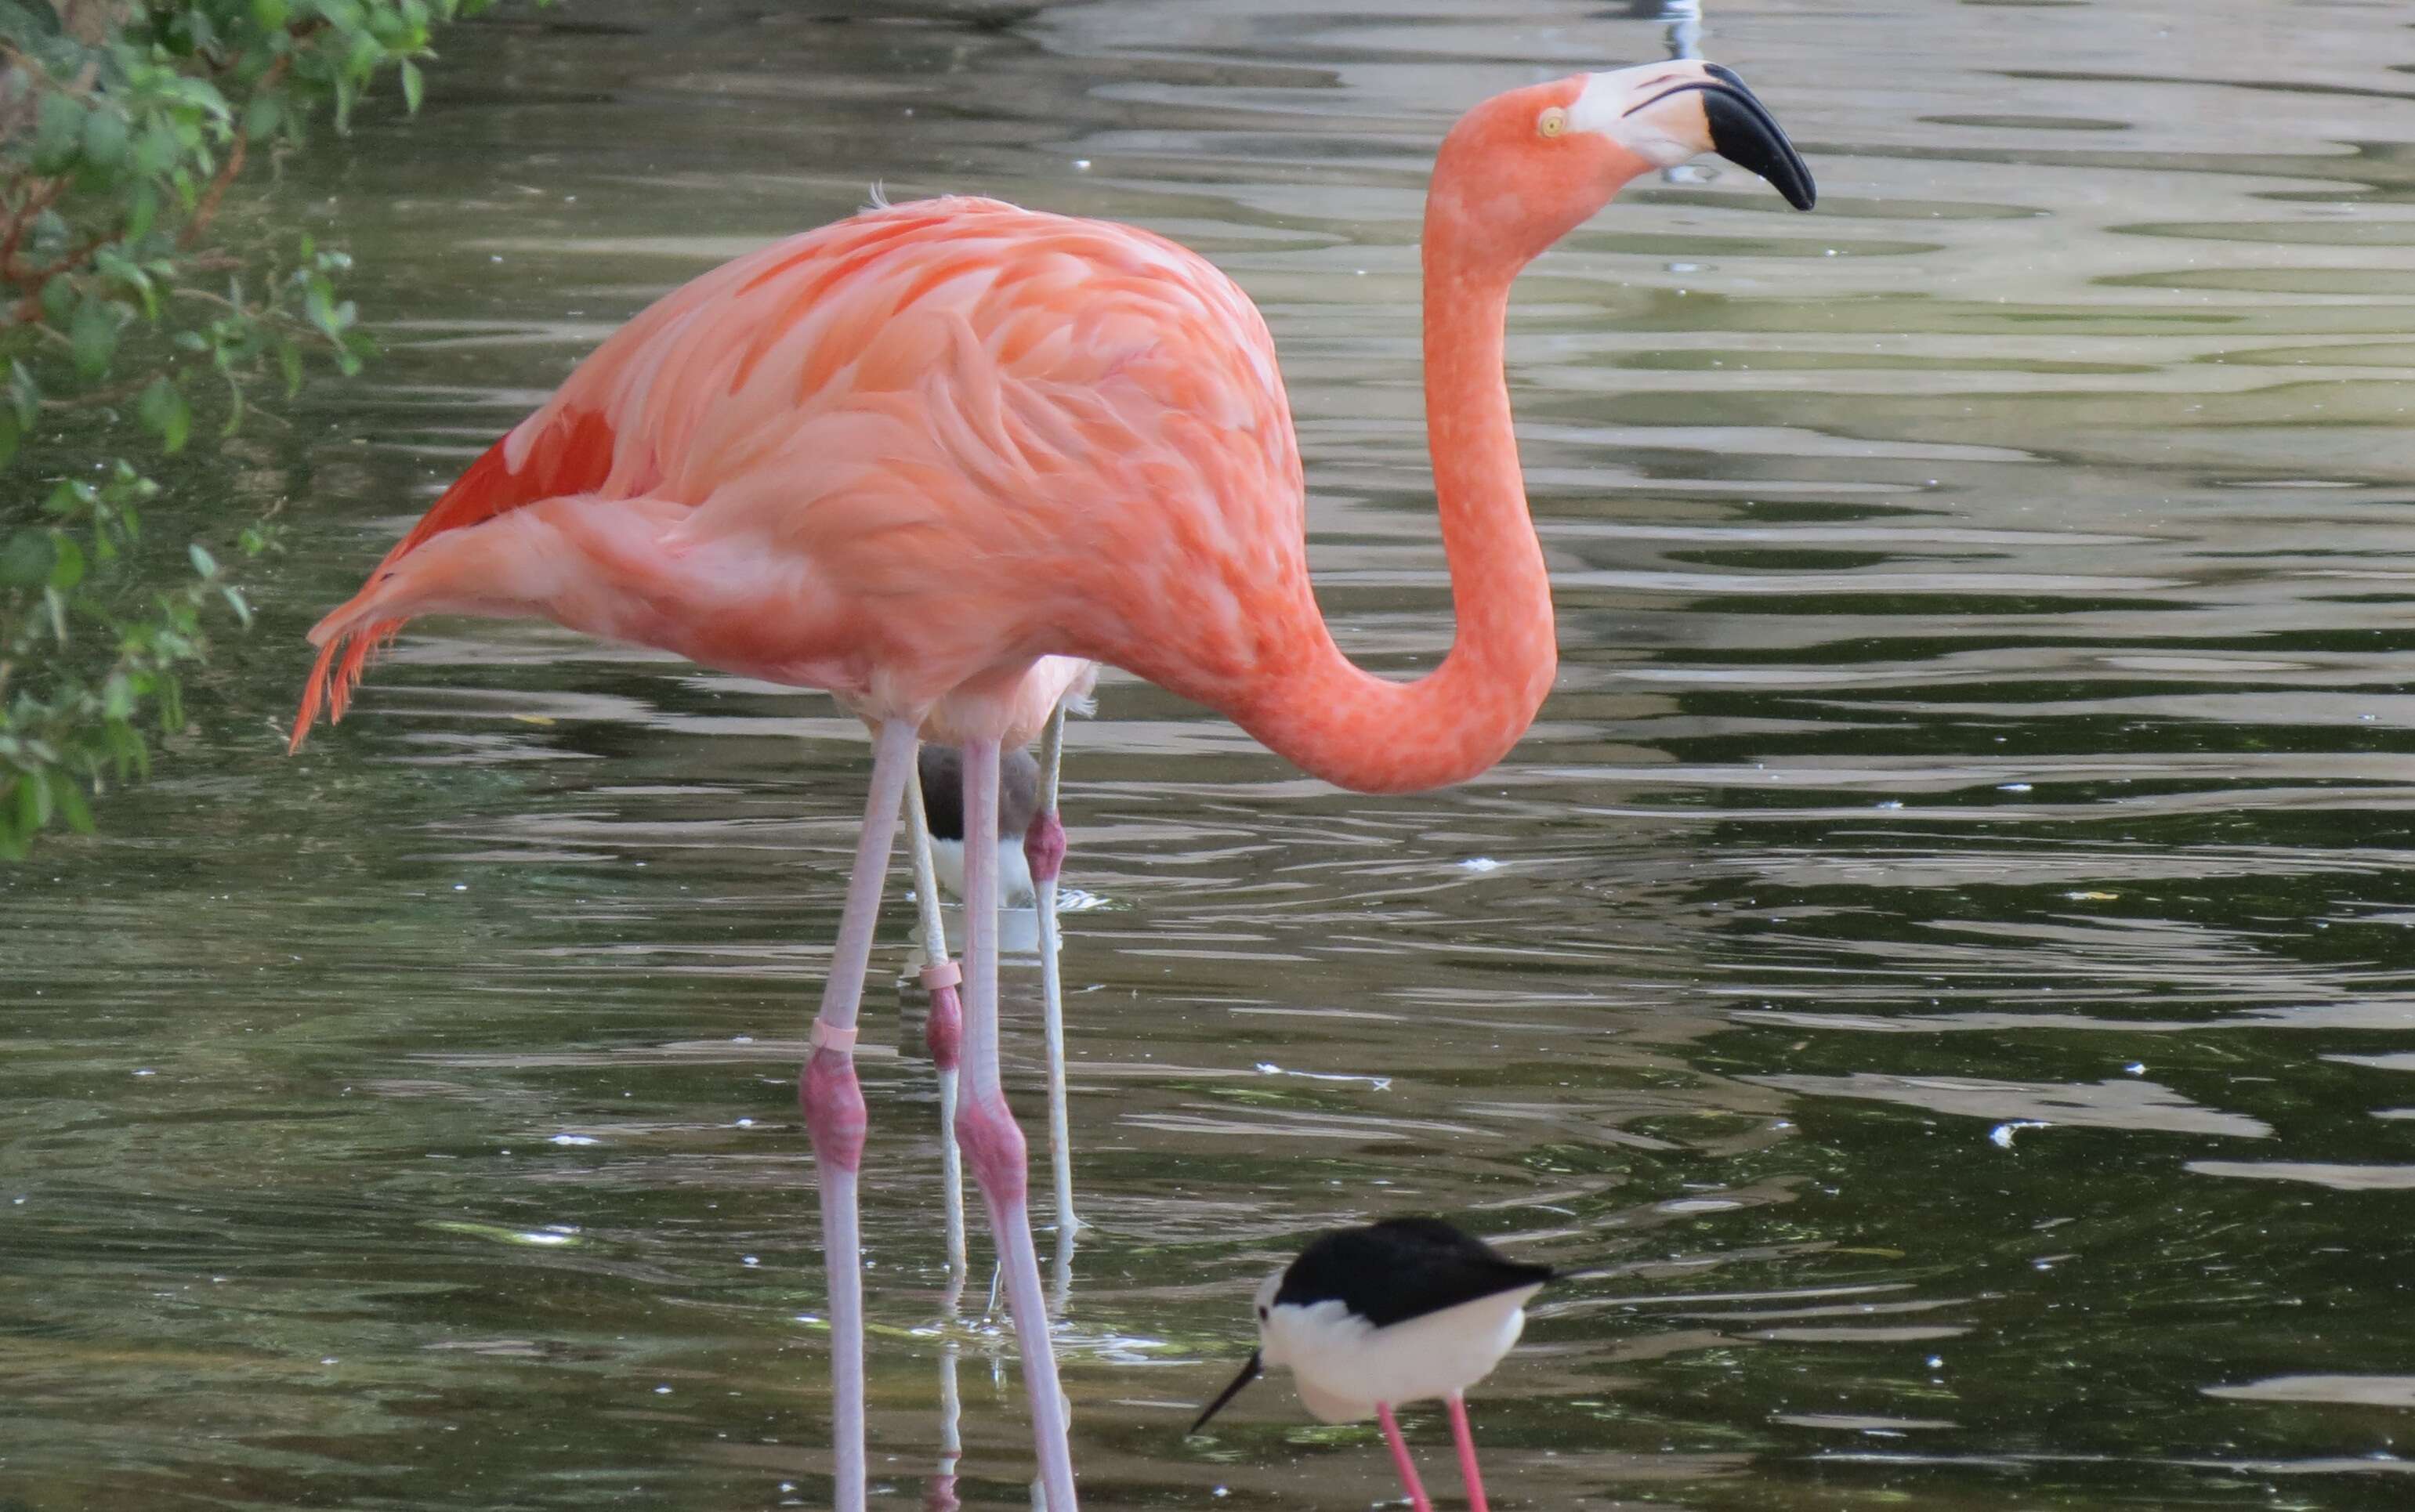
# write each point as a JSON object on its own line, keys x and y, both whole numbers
{"x": 126, "y": 300}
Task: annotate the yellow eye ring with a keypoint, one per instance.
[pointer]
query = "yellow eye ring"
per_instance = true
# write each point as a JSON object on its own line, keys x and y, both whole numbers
{"x": 1553, "y": 122}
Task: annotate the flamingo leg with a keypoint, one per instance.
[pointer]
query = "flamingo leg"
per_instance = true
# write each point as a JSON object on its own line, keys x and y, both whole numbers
{"x": 993, "y": 1143}
{"x": 940, "y": 1495}
{"x": 834, "y": 1105}
{"x": 1400, "y": 1461}
{"x": 1044, "y": 846}
{"x": 1466, "y": 1442}
{"x": 944, "y": 1031}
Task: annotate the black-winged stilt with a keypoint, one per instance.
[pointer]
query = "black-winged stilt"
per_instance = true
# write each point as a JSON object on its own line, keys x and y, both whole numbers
{"x": 1030, "y": 850}
{"x": 1389, "y": 1313}
{"x": 941, "y": 770}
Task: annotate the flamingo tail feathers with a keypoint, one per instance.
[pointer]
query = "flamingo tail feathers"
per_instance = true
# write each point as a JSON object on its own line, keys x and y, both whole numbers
{"x": 333, "y": 682}
{"x": 572, "y": 454}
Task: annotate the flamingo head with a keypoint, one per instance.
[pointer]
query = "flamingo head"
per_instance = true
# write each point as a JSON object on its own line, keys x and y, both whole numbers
{"x": 1524, "y": 169}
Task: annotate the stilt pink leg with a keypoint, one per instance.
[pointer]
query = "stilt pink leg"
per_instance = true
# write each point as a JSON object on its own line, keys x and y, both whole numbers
{"x": 1400, "y": 1461}
{"x": 994, "y": 1144}
{"x": 1466, "y": 1442}
{"x": 834, "y": 1105}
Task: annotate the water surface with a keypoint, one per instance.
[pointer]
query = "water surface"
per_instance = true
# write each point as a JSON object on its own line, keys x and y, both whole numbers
{"x": 1943, "y": 947}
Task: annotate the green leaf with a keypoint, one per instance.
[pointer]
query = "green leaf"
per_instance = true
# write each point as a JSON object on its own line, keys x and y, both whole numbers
{"x": 58, "y": 301}
{"x": 66, "y": 568}
{"x": 289, "y": 361}
{"x": 142, "y": 212}
{"x": 69, "y": 796}
{"x": 116, "y": 265}
{"x": 156, "y": 152}
{"x": 361, "y": 61}
{"x": 201, "y": 94}
{"x": 162, "y": 408}
{"x": 237, "y": 602}
{"x": 8, "y": 438}
{"x": 262, "y": 116}
{"x": 92, "y": 336}
{"x": 25, "y": 560}
{"x": 32, "y": 803}
{"x": 56, "y": 603}
{"x": 270, "y": 14}
{"x": 39, "y": 21}
{"x": 24, "y": 396}
{"x": 127, "y": 751}
{"x": 104, "y": 138}
{"x": 411, "y": 86}
{"x": 58, "y": 134}
{"x": 203, "y": 562}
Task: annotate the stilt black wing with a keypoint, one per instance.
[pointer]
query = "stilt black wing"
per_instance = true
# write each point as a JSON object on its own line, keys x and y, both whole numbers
{"x": 1402, "y": 1268}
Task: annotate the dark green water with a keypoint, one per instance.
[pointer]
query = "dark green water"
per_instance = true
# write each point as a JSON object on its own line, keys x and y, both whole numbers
{"x": 1985, "y": 607}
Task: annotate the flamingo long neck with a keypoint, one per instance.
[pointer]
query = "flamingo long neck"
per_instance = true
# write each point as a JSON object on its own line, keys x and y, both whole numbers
{"x": 1365, "y": 732}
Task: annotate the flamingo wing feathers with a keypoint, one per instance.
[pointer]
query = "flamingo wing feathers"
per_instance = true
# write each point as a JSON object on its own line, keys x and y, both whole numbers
{"x": 931, "y": 437}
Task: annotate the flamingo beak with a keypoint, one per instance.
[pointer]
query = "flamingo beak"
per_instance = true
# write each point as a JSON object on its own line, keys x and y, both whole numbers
{"x": 1734, "y": 124}
{"x": 1251, "y": 1368}
{"x": 1745, "y": 134}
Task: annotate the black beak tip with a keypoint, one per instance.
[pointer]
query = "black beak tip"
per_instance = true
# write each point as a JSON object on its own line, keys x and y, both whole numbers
{"x": 1250, "y": 1369}
{"x": 1744, "y": 132}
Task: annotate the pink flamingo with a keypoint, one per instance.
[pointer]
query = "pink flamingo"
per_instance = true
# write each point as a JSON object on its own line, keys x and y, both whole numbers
{"x": 905, "y": 456}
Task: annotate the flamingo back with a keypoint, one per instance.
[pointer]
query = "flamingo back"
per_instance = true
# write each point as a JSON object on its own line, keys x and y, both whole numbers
{"x": 902, "y": 457}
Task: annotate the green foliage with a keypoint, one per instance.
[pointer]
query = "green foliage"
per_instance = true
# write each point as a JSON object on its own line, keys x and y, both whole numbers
{"x": 126, "y": 305}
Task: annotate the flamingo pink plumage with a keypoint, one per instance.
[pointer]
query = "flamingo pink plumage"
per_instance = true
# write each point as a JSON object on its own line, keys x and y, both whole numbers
{"x": 906, "y": 457}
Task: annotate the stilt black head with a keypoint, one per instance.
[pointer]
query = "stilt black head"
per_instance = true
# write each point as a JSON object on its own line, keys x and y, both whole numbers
{"x": 940, "y": 769}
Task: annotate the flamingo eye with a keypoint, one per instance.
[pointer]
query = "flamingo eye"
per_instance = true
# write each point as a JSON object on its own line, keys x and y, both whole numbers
{"x": 1552, "y": 123}
{"x": 1263, "y": 1314}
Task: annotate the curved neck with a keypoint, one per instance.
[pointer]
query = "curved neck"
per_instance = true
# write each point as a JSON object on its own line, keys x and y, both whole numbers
{"x": 1365, "y": 732}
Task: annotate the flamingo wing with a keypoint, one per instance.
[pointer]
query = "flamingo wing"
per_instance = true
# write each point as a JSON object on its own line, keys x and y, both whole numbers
{"x": 773, "y": 467}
